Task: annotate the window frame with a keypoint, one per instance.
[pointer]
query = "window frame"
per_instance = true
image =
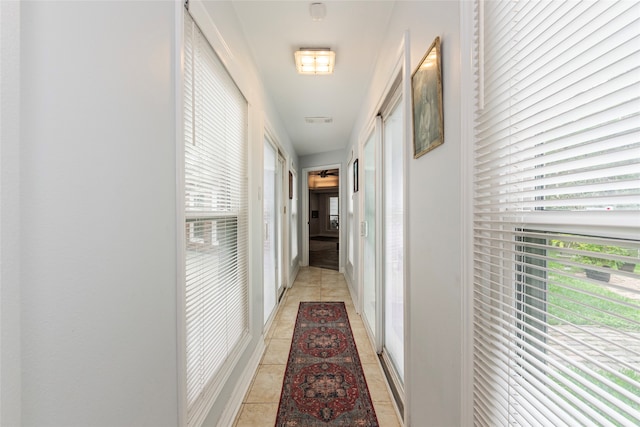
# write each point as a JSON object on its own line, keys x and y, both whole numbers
{"x": 194, "y": 413}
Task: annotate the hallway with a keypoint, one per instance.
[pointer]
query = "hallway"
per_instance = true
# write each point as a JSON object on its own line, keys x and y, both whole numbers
{"x": 324, "y": 252}
{"x": 260, "y": 404}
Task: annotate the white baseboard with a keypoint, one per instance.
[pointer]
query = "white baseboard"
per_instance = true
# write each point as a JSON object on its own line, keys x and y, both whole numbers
{"x": 354, "y": 298}
{"x": 235, "y": 401}
{"x": 293, "y": 274}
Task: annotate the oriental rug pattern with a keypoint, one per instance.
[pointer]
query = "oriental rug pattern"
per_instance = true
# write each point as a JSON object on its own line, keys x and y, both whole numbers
{"x": 324, "y": 383}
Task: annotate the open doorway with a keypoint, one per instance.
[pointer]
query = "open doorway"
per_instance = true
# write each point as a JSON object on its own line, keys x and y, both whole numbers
{"x": 323, "y": 230}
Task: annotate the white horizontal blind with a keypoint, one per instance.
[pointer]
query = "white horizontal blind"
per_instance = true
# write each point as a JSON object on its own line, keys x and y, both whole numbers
{"x": 556, "y": 211}
{"x": 334, "y": 215}
{"x": 216, "y": 236}
{"x": 333, "y": 206}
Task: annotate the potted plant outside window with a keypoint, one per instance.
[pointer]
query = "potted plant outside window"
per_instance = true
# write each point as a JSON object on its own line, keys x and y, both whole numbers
{"x": 601, "y": 262}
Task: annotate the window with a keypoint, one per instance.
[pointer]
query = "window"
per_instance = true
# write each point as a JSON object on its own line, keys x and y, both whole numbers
{"x": 556, "y": 306}
{"x": 334, "y": 215}
{"x": 215, "y": 252}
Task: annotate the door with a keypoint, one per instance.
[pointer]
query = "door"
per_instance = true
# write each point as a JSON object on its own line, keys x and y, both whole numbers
{"x": 393, "y": 246}
{"x": 370, "y": 292}
{"x": 272, "y": 216}
{"x": 281, "y": 182}
{"x": 382, "y": 232}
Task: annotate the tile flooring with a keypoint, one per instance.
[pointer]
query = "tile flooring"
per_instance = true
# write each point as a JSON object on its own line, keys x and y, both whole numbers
{"x": 260, "y": 404}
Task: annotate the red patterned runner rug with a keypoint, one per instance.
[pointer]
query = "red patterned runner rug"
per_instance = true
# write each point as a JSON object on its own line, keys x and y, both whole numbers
{"x": 324, "y": 383}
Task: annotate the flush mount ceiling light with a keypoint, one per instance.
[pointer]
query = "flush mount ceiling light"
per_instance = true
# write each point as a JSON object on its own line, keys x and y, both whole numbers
{"x": 315, "y": 61}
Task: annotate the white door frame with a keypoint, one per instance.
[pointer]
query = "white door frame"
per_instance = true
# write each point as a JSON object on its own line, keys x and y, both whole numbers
{"x": 283, "y": 187}
{"x": 375, "y": 130}
{"x": 283, "y": 250}
{"x": 305, "y": 210}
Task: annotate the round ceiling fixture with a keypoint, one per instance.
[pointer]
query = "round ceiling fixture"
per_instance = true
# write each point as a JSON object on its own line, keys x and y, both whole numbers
{"x": 318, "y": 11}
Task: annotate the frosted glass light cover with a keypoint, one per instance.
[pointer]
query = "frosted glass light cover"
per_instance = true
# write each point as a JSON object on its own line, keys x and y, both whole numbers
{"x": 315, "y": 61}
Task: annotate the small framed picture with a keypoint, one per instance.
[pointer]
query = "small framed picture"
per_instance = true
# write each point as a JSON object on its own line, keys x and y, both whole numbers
{"x": 426, "y": 99}
{"x": 355, "y": 176}
{"x": 290, "y": 185}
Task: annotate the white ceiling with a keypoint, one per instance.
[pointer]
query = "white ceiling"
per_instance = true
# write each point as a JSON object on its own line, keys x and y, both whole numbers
{"x": 353, "y": 29}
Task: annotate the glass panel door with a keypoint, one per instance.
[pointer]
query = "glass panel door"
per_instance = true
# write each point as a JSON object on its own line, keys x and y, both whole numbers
{"x": 270, "y": 248}
{"x": 294, "y": 220}
{"x": 280, "y": 225}
{"x": 393, "y": 224}
{"x": 369, "y": 300}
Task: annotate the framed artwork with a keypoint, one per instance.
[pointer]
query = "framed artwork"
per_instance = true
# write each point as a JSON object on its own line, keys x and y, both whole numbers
{"x": 290, "y": 185}
{"x": 356, "y": 184}
{"x": 426, "y": 101}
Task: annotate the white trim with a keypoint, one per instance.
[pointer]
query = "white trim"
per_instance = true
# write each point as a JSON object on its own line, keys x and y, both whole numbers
{"x": 350, "y": 223}
{"x": 206, "y": 23}
{"x": 364, "y": 137}
{"x": 282, "y": 257}
{"x": 255, "y": 176}
{"x": 294, "y": 274}
{"x": 220, "y": 380}
{"x": 10, "y": 224}
{"x": 234, "y": 403}
{"x": 181, "y": 320}
{"x": 304, "y": 260}
{"x": 395, "y": 98}
{"x": 379, "y": 215}
{"x": 294, "y": 263}
{"x": 466, "y": 202}
{"x": 408, "y": 157}
{"x": 395, "y": 380}
{"x": 352, "y": 291}
{"x": 285, "y": 224}
{"x": 285, "y": 231}
{"x": 269, "y": 322}
{"x": 403, "y": 50}
{"x": 371, "y": 129}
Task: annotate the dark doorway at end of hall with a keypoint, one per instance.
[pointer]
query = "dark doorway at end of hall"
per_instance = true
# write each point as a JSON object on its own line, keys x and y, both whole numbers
{"x": 324, "y": 219}
{"x": 323, "y": 252}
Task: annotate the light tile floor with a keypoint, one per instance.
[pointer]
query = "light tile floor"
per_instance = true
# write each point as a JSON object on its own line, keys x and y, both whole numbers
{"x": 260, "y": 404}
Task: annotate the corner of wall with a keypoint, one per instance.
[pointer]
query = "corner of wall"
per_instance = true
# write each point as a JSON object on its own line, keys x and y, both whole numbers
{"x": 10, "y": 224}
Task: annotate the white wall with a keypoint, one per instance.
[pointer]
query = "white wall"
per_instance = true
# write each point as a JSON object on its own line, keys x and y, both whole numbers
{"x": 96, "y": 211}
{"x": 10, "y": 390}
{"x": 98, "y": 312}
{"x": 97, "y": 205}
{"x": 322, "y": 159}
{"x": 434, "y": 361}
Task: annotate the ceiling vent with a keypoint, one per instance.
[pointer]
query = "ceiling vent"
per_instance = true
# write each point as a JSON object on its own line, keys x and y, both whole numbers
{"x": 318, "y": 120}
{"x": 318, "y": 11}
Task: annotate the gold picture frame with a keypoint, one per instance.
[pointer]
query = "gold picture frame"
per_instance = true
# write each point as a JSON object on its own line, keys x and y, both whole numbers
{"x": 426, "y": 102}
